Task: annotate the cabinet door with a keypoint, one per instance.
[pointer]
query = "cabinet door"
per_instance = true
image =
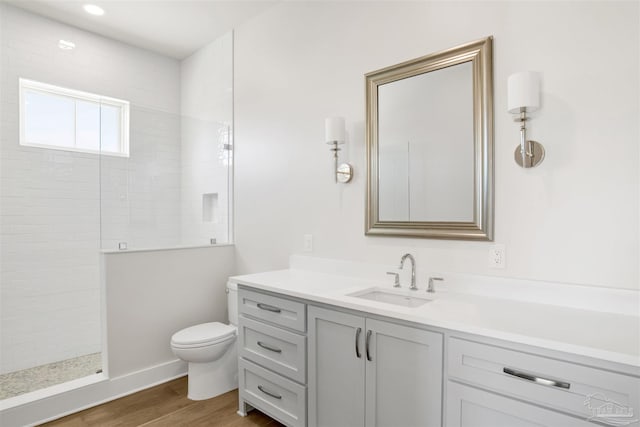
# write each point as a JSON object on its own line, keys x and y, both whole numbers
{"x": 335, "y": 369}
{"x": 403, "y": 376}
{"x": 472, "y": 407}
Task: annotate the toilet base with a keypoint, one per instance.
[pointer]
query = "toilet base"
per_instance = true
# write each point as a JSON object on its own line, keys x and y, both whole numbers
{"x": 207, "y": 380}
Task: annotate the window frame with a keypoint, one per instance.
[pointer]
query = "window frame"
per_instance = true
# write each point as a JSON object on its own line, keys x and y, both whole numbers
{"x": 25, "y": 85}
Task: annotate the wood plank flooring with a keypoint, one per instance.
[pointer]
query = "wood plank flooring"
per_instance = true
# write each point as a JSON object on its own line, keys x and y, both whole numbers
{"x": 167, "y": 405}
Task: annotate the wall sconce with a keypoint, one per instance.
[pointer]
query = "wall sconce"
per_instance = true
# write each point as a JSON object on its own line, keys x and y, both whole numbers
{"x": 523, "y": 97}
{"x": 335, "y": 135}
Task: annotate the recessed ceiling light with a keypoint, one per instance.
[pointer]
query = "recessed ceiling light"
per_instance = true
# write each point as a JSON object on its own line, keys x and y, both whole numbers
{"x": 93, "y": 9}
{"x": 66, "y": 45}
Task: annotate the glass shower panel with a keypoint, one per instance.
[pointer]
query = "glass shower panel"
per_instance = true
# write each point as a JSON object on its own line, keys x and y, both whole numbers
{"x": 172, "y": 190}
{"x": 140, "y": 194}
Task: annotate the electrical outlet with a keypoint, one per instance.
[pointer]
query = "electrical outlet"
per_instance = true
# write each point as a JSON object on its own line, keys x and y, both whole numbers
{"x": 308, "y": 243}
{"x": 497, "y": 256}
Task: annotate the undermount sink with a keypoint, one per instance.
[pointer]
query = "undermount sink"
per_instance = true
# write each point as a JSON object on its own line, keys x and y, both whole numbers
{"x": 391, "y": 297}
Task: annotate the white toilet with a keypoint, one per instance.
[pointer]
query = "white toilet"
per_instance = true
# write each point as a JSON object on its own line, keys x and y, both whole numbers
{"x": 210, "y": 350}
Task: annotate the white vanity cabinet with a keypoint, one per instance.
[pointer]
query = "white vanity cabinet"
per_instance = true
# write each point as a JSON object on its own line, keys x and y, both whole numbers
{"x": 368, "y": 372}
{"x": 490, "y": 385}
{"x": 272, "y": 356}
{"x": 307, "y": 361}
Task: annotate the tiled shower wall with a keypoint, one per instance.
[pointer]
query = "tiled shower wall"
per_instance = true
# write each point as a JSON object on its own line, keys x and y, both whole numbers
{"x": 50, "y": 200}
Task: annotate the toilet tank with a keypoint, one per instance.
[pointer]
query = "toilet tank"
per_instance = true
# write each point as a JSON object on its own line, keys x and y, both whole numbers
{"x": 232, "y": 302}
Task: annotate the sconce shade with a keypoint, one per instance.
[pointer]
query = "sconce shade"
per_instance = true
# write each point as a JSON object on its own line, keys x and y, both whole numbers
{"x": 523, "y": 91}
{"x": 334, "y": 129}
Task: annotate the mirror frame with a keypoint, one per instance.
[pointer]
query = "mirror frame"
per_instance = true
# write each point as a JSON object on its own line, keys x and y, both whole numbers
{"x": 479, "y": 53}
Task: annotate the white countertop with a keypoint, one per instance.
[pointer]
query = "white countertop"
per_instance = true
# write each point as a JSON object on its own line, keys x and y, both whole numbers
{"x": 608, "y": 336}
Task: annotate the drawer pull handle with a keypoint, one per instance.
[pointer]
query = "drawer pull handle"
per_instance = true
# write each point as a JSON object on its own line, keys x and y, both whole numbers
{"x": 533, "y": 378}
{"x": 367, "y": 344}
{"x": 358, "y": 331}
{"x": 268, "y": 393}
{"x": 267, "y": 307}
{"x": 268, "y": 347}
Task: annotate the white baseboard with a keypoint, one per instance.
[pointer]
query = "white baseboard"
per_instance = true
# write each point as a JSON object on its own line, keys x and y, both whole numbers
{"x": 46, "y": 408}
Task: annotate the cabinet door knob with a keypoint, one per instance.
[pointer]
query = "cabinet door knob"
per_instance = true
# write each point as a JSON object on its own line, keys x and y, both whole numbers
{"x": 358, "y": 331}
{"x": 367, "y": 344}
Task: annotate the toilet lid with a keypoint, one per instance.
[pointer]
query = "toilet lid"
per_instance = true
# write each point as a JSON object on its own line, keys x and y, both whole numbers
{"x": 203, "y": 333}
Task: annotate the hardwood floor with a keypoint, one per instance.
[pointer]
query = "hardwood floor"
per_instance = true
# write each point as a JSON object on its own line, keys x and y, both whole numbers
{"x": 167, "y": 405}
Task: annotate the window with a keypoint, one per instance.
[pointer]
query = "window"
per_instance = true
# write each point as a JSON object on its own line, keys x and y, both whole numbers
{"x": 65, "y": 119}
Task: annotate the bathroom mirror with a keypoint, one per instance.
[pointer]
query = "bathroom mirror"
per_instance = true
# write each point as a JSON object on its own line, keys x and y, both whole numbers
{"x": 430, "y": 146}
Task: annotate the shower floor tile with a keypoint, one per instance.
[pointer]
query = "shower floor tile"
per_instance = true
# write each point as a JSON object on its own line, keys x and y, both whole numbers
{"x": 20, "y": 382}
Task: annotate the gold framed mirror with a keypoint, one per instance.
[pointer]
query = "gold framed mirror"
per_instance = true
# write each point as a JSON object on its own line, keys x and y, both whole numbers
{"x": 429, "y": 136}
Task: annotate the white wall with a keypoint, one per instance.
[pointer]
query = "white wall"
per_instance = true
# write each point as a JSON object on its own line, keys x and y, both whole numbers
{"x": 152, "y": 295}
{"x": 50, "y": 199}
{"x": 572, "y": 219}
{"x": 207, "y": 109}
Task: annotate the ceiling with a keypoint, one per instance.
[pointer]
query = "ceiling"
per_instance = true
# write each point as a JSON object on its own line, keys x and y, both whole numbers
{"x": 175, "y": 28}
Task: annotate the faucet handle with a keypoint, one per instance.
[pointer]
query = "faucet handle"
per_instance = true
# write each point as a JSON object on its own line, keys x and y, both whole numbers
{"x": 396, "y": 282}
{"x": 431, "y": 287}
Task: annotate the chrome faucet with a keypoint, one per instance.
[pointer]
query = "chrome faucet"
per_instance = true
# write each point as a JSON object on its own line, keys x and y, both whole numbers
{"x": 413, "y": 269}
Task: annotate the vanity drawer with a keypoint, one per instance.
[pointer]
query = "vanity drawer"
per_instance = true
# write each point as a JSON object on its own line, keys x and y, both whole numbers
{"x": 473, "y": 407}
{"x": 274, "y": 348}
{"x": 276, "y": 396}
{"x": 557, "y": 384}
{"x": 280, "y": 311}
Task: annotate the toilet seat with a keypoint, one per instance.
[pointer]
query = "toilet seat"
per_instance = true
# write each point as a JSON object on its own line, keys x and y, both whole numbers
{"x": 203, "y": 335}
